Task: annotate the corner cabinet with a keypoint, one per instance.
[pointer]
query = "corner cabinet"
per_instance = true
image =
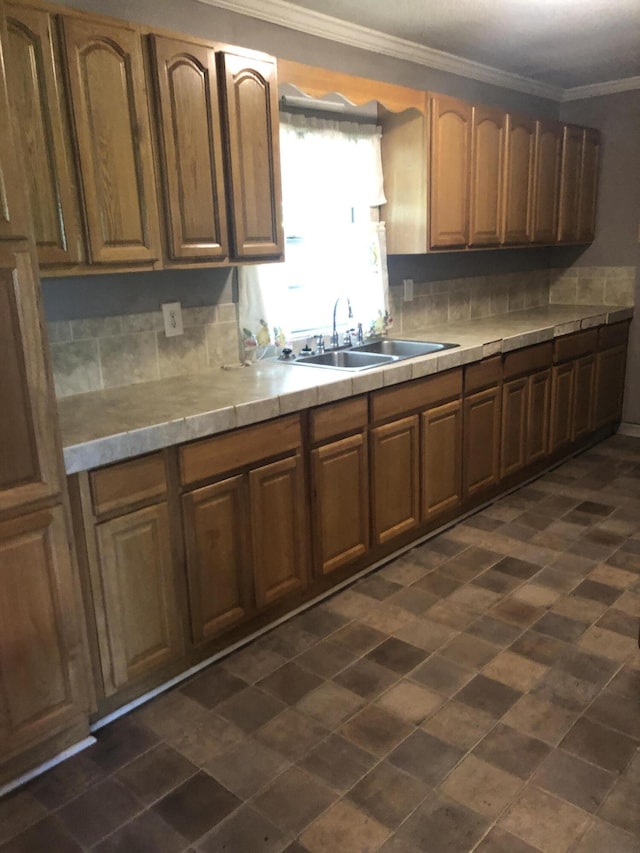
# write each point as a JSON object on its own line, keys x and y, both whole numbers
{"x": 250, "y": 110}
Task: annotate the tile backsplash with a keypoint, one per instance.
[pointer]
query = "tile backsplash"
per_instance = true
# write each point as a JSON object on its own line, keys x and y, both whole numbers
{"x": 592, "y": 285}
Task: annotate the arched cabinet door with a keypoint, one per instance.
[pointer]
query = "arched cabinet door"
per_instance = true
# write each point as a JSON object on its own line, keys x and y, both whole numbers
{"x": 487, "y": 174}
{"x": 189, "y": 136}
{"x": 570, "y": 184}
{"x": 546, "y": 181}
{"x": 450, "y": 161}
{"x": 518, "y": 180}
{"x": 253, "y": 155}
{"x": 113, "y": 139}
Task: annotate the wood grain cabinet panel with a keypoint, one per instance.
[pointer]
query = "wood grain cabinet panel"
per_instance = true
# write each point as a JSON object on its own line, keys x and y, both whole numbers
{"x": 539, "y": 407}
{"x": 441, "y": 453}
{"x": 13, "y": 221}
{"x": 584, "y": 386}
{"x": 253, "y": 155}
{"x": 189, "y": 133}
{"x": 513, "y": 454}
{"x": 218, "y": 546}
{"x": 610, "y": 372}
{"x": 141, "y": 631}
{"x": 481, "y": 441}
{"x": 451, "y": 121}
{"x": 28, "y": 449}
{"x": 41, "y": 656}
{"x": 548, "y": 146}
{"x": 570, "y": 184}
{"x": 487, "y": 174}
{"x": 340, "y": 513}
{"x": 518, "y": 182}
{"x": 279, "y": 530}
{"x": 39, "y": 108}
{"x": 395, "y": 482}
{"x": 113, "y": 140}
{"x": 562, "y": 396}
{"x": 588, "y": 194}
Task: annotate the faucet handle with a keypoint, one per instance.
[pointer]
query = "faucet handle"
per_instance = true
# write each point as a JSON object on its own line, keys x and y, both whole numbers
{"x": 360, "y": 334}
{"x": 347, "y": 337}
{"x": 320, "y": 344}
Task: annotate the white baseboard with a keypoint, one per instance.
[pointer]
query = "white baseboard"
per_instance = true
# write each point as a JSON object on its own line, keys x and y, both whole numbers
{"x": 42, "y": 768}
{"x": 629, "y": 429}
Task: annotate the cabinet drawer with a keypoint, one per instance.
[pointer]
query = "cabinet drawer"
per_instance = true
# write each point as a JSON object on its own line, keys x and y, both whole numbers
{"x": 482, "y": 374}
{"x": 613, "y": 336}
{"x": 575, "y": 346}
{"x": 338, "y": 418}
{"x": 128, "y": 483}
{"x": 528, "y": 360}
{"x": 418, "y": 394}
{"x": 205, "y": 459}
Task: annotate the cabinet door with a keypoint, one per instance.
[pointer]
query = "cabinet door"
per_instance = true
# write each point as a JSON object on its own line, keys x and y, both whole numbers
{"x": 610, "y": 370}
{"x": 588, "y": 186}
{"x": 217, "y": 534}
{"x": 487, "y": 174}
{"x": 539, "y": 405}
{"x": 395, "y": 478}
{"x": 41, "y": 659}
{"x": 279, "y": 534}
{"x": 513, "y": 455}
{"x": 141, "y": 631}
{"x": 12, "y": 210}
{"x": 450, "y": 171}
{"x": 38, "y": 106}
{"x": 441, "y": 446}
{"x": 518, "y": 183}
{"x": 562, "y": 391}
{"x": 109, "y": 105}
{"x": 28, "y": 435}
{"x": 191, "y": 150}
{"x": 251, "y": 119}
{"x": 584, "y": 384}
{"x": 547, "y": 181}
{"x": 569, "y": 184}
{"x": 340, "y": 477}
{"x": 481, "y": 441}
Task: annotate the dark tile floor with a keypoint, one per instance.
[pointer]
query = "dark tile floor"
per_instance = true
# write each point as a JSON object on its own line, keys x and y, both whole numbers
{"x": 481, "y": 692}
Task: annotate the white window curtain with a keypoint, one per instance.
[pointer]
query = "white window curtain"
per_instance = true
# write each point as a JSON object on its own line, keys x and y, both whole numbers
{"x": 331, "y": 180}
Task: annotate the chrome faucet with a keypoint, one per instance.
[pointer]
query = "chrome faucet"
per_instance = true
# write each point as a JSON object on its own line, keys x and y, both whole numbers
{"x": 335, "y": 338}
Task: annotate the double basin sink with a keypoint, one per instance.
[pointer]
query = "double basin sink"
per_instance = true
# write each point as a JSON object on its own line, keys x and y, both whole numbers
{"x": 373, "y": 354}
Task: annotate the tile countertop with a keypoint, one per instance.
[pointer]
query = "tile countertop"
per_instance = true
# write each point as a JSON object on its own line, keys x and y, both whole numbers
{"x": 118, "y": 423}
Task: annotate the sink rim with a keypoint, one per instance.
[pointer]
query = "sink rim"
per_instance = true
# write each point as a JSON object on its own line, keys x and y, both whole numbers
{"x": 370, "y": 359}
{"x": 429, "y": 347}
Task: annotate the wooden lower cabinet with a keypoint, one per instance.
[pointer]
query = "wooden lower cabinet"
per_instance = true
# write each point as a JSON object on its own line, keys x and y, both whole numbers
{"x": 41, "y": 651}
{"x": 562, "y": 389}
{"x": 395, "y": 473}
{"x": 609, "y": 388}
{"x": 584, "y": 384}
{"x": 340, "y": 502}
{"x": 481, "y": 441}
{"x": 515, "y": 399}
{"x": 441, "y": 453}
{"x": 538, "y": 408}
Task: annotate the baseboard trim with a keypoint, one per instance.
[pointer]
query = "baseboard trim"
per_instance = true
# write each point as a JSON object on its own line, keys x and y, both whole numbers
{"x": 47, "y": 765}
{"x": 629, "y": 429}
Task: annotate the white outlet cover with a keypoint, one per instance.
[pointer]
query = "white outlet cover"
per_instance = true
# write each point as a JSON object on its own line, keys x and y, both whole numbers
{"x": 172, "y": 314}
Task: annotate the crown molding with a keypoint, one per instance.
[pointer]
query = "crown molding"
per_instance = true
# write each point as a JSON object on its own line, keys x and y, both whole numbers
{"x": 627, "y": 84}
{"x": 314, "y": 23}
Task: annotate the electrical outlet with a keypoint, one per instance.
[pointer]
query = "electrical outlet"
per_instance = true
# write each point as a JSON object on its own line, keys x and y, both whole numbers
{"x": 407, "y": 283}
{"x": 172, "y": 314}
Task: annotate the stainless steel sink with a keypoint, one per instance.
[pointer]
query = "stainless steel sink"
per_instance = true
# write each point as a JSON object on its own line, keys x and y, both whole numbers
{"x": 346, "y": 359}
{"x": 402, "y": 349}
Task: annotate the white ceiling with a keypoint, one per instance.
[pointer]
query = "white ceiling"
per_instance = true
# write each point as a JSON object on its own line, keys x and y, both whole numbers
{"x": 556, "y": 45}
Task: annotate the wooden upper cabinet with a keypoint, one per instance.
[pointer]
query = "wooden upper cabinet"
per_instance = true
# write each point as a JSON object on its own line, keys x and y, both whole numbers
{"x": 487, "y": 174}
{"x": 450, "y": 161}
{"x": 569, "y": 184}
{"x": 546, "y": 181}
{"x": 189, "y": 133}
{"x": 588, "y": 192}
{"x": 28, "y": 450}
{"x": 12, "y": 210}
{"x": 253, "y": 155}
{"x": 111, "y": 120}
{"x": 42, "y": 134}
{"x": 518, "y": 183}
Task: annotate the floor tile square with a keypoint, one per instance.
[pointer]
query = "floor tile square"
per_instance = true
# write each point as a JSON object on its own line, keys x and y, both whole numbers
{"x": 501, "y": 841}
{"x": 326, "y": 658}
{"x": 440, "y": 824}
{"x": 425, "y": 757}
{"x": 252, "y": 663}
{"x": 597, "y": 591}
{"x": 600, "y": 745}
{"x": 196, "y": 806}
{"x": 511, "y": 750}
{"x": 291, "y": 734}
{"x": 290, "y": 683}
{"x": 482, "y": 787}
{"x": 415, "y": 600}
{"x": 121, "y": 742}
{"x": 330, "y": 704}
{"x": 467, "y": 650}
{"x": 396, "y": 655}
{"x": 98, "y": 812}
{"x": 245, "y": 768}
{"x": 516, "y": 568}
{"x": 515, "y": 671}
{"x": 388, "y": 794}
{"x": 488, "y": 695}
{"x": 560, "y": 627}
{"x": 517, "y": 612}
{"x": 458, "y": 724}
{"x": 543, "y": 820}
{"x": 438, "y": 584}
{"x": 494, "y": 631}
{"x": 441, "y": 675}
{"x": 410, "y": 701}
{"x": 358, "y": 638}
{"x": 602, "y": 837}
{"x": 250, "y": 709}
{"x": 48, "y": 834}
{"x": 321, "y": 621}
{"x": 574, "y": 780}
{"x": 245, "y": 830}
{"x": 540, "y": 719}
{"x": 147, "y": 833}
{"x": 344, "y": 827}
{"x": 337, "y": 762}
{"x": 53, "y": 789}
{"x": 293, "y": 800}
{"x": 213, "y": 686}
{"x": 425, "y": 634}
{"x": 618, "y": 712}
{"x": 539, "y": 647}
{"x": 156, "y": 773}
{"x": 376, "y": 730}
{"x": 366, "y": 678}
{"x": 376, "y": 587}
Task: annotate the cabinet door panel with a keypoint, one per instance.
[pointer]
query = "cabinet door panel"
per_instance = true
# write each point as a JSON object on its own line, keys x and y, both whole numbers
{"x": 38, "y": 105}
{"x": 441, "y": 459}
{"x": 584, "y": 384}
{"x": 13, "y": 221}
{"x": 142, "y": 627}
{"x": 340, "y": 502}
{"x": 569, "y": 184}
{"x": 395, "y": 478}
{"x": 28, "y": 449}
{"x": 518, "y": 180}
{"x": 41, "y": 663}
{"x": 588, "y": 189}
{"x": 562, "y": 391}
{"x": 251, "y": 117}
{"x": 191, "y": 150}
{"x": 278, "y": 529}
{"x": 481, "y": 441}
{"x": 450, "y": 168}
{"x": 513, "y": 454}
{"x": 610, "y": 370}
{"x": 547, "y": 181}
{"x": 218, "y": 562}
{"x": 538, "y": 415}
{"x": 487, "y": 173}
{"x": 108, "y": 99}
